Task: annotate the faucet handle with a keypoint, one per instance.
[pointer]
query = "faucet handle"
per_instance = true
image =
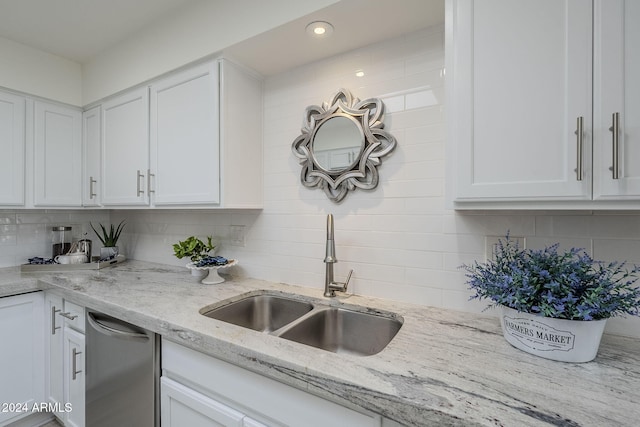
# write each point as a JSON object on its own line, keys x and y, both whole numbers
{"x": 347, "y": 282}
{"x": 339, "y": 286}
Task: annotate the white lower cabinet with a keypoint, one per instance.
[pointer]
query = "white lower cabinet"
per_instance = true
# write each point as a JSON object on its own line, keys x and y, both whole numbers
{"x": 74, "y": 378}
{"x": 182, "y": 406}
{"x": 64, "y": 359}
{"x": 21, "y": 357}
{"x": 200, "y": 390}
{"x": 54, "y": 348}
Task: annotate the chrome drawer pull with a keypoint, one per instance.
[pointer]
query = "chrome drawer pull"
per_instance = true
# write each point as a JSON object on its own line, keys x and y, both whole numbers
{"x": 579, "y": 134}
{"x": 69, "y": 316}
{"x": 92, "y": 193}
{"x": 615, "y": 130}
{"x": 140, "y": 191}
{"x": 149, "y": 175}
{"x": 74, "y": 367}
{"x": 54, "y": 310}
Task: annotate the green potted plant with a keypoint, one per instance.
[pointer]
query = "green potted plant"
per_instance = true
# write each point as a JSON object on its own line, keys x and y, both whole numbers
{"x": 109, "y": 239}
{"x": 196, "y": 250}
{"x": 193, "y": 248}
{"x": 554, "y": 304}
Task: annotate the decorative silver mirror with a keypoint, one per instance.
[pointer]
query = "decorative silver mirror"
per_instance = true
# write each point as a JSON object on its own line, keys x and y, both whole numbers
{"x": 342, "y": 144}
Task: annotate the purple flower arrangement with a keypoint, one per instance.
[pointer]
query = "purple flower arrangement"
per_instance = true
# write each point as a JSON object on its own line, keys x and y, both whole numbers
{"x": 568, "y": 285}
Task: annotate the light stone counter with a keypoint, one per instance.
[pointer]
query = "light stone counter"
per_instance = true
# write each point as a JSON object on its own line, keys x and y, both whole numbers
{"x": 443, "y": 368}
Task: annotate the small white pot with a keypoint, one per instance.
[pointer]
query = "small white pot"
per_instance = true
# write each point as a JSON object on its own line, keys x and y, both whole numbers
{"x": 556, "y": 339}
{"x": 108, "y": 252}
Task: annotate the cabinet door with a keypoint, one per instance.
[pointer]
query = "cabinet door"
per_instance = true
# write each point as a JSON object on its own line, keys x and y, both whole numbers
{"x": 519, "y": 77}
{"x": 125, "y": 149}
{"x": 22, "y": 355}
{"x": 182, "y": 406}
{"x": 616, "y": 90}
{"x": 12, "y": 143}
{"x": 54, "y": 347}
{"x": 57, "y": 155}
{"x": 184, "y": 131}
{"x": 74, "y": 377}
{"x": 91, "y": 140}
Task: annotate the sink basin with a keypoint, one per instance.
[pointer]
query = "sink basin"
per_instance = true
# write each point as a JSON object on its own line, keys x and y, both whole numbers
{"x": 264, "y": 313}
{"x": 344, "y": 331}
{"x": 314, "y": 323}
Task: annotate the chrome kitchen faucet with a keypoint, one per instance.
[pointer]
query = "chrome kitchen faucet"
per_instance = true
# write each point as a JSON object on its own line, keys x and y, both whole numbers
{"x": 330, "y": 287}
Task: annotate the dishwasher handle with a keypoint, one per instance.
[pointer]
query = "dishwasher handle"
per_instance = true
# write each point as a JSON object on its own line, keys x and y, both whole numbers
{"x": 125, "y": 333}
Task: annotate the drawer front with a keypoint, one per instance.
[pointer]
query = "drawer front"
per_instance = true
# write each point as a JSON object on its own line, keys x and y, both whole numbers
{"x": 73, "y": 316}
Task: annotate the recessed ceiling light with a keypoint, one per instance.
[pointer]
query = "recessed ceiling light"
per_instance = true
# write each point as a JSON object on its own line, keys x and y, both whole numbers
{"x": 359, "y": 73}
{"x": 319, "y": 29}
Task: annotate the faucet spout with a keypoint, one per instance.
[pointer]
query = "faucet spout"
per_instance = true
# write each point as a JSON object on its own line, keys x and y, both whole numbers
{"x": 330, "y": 253}
{"x": 330, "y": 287}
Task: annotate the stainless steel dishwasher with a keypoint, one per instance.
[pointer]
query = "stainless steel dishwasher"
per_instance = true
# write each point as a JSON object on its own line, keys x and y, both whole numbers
{"x": 122, "y": 366}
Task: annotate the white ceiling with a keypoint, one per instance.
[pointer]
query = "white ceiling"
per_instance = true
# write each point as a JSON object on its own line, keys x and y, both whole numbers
{"x": 80, "y": 29}
{"x": 356, "y": 23}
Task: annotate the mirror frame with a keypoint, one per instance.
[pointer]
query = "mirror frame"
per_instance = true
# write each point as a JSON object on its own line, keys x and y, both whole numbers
{"x": 368, "y": 115}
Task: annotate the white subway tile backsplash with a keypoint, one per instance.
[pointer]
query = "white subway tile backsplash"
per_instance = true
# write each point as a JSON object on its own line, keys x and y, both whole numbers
{"x": 8, "y": 239}
{"x": 425, "y": 98}
{"x": 34, "y": 233}
{"x": 393, "y": 104}
{"x": 7, "y": 218}
{"x": 617, "y": 250}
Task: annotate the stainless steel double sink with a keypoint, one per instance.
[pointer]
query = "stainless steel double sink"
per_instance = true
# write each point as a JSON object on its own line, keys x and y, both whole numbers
{"x": 308, "y": 321}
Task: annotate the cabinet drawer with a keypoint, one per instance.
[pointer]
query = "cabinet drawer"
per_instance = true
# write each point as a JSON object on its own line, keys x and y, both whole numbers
{"x": 73, "y": 316}
{"x": 259, "y": 398}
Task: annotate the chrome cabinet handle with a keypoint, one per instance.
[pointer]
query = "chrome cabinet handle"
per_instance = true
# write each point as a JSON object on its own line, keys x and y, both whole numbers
{"x": 69, "y": 316}
{"x": 140, "y": 191}
{"x": 579, "y": 140}
{"x": 149, "y": 175}
{"x": 615, "y": 130}
{"x": 74, "y": 363}
{"x": 54, "y": 310}
{"x": 92, "y": 181}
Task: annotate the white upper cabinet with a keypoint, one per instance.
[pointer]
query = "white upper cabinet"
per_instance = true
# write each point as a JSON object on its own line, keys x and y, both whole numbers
{"x": 12, "y": 143}
{"x": 617, "y": 99}
{"x": 125, "y": 149}
{"x": 185, "y": 143}
{"x": 240, "y": 137}
{"x": 523, "y": 77}
{"x": 92, "y": 145}
{"x": 192, "y": 139}
{"x": 519, "y": 82}
{"x": 57, "y": 155}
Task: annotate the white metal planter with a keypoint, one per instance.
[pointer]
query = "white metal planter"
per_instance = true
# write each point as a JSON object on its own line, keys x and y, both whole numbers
{"x": 555, "y": 339}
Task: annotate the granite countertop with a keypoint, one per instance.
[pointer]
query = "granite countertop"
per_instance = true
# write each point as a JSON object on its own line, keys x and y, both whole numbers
{"x": 443, "y": 367}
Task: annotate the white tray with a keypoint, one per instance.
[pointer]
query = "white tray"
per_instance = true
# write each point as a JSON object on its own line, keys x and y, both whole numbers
{"x": 95, "y": 265}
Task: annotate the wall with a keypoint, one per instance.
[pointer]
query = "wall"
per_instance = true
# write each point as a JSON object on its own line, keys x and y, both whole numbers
{"x": 187, "y": 35}
{"x": 399, "y": 239}
{"x": 27, "y": 233}
{"x": 35, "y": 72}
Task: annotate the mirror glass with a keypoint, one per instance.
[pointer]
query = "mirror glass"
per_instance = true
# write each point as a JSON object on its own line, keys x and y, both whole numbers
{"x": 337, "y": 144}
